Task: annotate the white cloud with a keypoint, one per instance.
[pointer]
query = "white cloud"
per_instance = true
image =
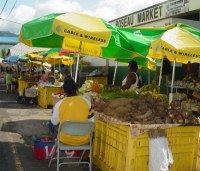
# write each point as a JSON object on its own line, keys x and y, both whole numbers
{"x": 21, "y": 14}
{"x": 112, "y": 9}
{"x": 58, "y": 6}
{"x": 106, "y": 9}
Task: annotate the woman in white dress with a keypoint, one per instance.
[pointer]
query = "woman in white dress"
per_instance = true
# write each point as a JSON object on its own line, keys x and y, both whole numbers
{"x": 132, "y": 79}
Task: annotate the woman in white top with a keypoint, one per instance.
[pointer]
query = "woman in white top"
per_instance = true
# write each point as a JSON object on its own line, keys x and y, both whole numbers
{"x": 131, "y": 81}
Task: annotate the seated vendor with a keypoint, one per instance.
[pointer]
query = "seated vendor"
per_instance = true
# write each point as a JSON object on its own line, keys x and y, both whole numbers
{"x": 44, "y": 76}
{"x": 71, "y": 107}
{"x": 132, "y": 80}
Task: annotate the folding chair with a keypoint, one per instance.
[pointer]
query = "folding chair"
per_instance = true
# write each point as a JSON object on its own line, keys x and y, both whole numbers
{"x": 76, "y": 129}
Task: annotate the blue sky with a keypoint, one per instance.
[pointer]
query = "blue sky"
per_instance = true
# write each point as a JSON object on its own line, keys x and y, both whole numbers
{"x": 26, "y": 10}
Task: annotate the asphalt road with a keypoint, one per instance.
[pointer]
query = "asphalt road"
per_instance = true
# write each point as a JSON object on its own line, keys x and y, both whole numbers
{"x": 18, "y": 123}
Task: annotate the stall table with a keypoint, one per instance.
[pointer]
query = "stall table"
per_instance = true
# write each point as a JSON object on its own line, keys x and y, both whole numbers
{"x": 195, "y": 91}
{"x": 45, "y": 95}
{"x": 22, "y": 85}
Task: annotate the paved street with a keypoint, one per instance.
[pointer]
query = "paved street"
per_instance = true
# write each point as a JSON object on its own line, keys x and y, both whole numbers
{"x": 18, "y": 123}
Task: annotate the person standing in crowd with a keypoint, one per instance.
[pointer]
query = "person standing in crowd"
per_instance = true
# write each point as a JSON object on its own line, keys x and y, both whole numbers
{"x": 72, "y": 107}
{"x": 66, "y": 75}
{"x": 132, "y": 80}
{"x": 8, "y": 81}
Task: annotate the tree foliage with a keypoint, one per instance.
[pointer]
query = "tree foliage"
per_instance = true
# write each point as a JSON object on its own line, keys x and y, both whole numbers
{"x": 3, "y": 53}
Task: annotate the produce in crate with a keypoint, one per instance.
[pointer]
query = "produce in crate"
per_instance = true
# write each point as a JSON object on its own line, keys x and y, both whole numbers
{"x": 147, "y": 109}
{"x": 90, "y": 90}
{"x": 178, "y": 115}
{"x": 153, "y": 88}
{"x": 111, "y": 92}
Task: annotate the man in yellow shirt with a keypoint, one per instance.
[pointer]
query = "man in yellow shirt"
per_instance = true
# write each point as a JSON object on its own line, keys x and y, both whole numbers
{"x": 73, "y": 108}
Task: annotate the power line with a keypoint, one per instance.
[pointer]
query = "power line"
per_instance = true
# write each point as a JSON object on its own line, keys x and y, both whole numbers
{"x": 12, "y": 9}
{"x": 3, "y": 7}
{"x": 10, "y": 21}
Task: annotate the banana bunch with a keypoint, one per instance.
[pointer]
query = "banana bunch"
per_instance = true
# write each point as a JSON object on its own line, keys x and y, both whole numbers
{"x": 149, "y": 88}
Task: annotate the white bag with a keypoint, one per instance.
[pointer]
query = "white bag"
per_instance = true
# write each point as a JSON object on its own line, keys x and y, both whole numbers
{"x": 160, "y": 156}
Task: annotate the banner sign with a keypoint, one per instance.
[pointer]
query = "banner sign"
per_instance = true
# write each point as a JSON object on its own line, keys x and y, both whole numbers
{"x": 156, "y": 12}
{"x": 175, "y": 7}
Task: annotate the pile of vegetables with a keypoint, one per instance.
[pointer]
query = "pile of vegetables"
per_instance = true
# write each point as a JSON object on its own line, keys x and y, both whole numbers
{"x": 145, "y": 109}
{"x": 149, "y": 88}
{"x": 110, "y": 93}
{"x": 178, "y": 115}
{"x": 90, "y": 90}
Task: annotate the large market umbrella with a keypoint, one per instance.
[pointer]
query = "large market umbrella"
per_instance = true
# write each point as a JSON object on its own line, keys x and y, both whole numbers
{"x": 77, "y": 32}
{"x": 23, "y": 59}
{"x": 57, "y": 56}
{"x": 35, "y": 56}
{"x": 11, "y": 59}
{"x": 178, "y": 42}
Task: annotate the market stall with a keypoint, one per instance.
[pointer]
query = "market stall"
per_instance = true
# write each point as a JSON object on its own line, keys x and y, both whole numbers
{"x": 116, "y": 142}
{"x": 45, "y": 91}
{"x": 24, "y": 83}
{"x": 131, "y": 130}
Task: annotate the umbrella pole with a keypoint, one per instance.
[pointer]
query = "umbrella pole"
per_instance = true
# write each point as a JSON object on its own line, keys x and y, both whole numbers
{"x": 77, "y": 62}
{"x": 71, "y": 70}
{"x": 160, "y": 77}
{"x": 173, "y": 74}
{"x": 116, "y": 65}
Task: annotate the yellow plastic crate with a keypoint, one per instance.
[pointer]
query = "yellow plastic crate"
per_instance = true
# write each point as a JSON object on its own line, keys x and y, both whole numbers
{"x": 197, "y": 157}
{"x": 45, "y": 95}
{"x": 22, "y": 85}
{"x": 115, "y": 150}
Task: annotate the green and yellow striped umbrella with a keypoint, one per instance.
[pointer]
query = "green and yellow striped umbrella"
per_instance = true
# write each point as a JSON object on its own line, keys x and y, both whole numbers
{"x": 178, "y": 42}
{"x": 77, "y": 32}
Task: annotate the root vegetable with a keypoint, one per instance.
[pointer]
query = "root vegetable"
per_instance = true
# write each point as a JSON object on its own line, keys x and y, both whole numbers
{"x": 180, "y": 119}
{"x": 186, "y": 121}
{"x": 119, "y": 102}
{"x": 168, "y": 120}
{"x": 175, "y": 121}
{"x": 186, "y": 114}
{"x": 147, "y": 114}
{"x": 122, "y": 110}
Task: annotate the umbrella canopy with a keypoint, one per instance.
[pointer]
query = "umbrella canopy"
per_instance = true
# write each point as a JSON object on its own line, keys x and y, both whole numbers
{"x": 58, "y": 52}
{"x": 177, "y": 41}
{"x": 75, "y": 32}
{"x": 23, "y": 59}
{"x": 58, "y": 56}
{"x": 35, "y": 56}
{"x": 11, "y": 59}
{"x": 146, "y": 63}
